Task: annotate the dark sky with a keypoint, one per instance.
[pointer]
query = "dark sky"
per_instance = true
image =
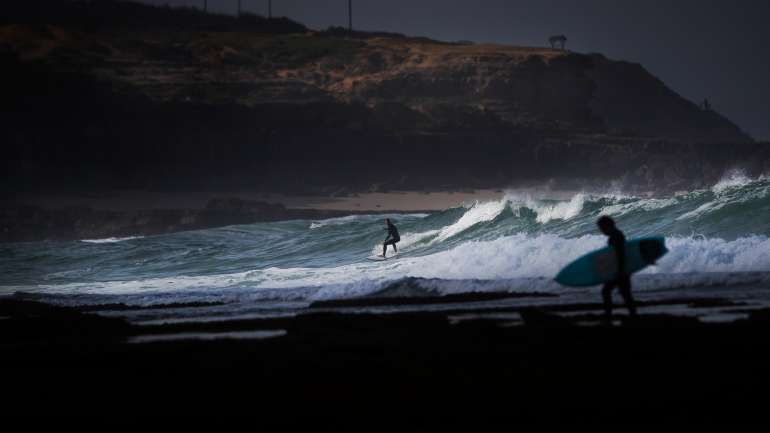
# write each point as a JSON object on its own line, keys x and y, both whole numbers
{"x": 701, "y": 48}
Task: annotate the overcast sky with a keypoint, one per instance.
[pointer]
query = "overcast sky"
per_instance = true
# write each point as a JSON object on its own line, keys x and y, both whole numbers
{"x": 700, "y": 48}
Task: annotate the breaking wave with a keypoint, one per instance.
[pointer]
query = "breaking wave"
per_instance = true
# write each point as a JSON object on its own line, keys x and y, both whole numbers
{"x": 715, "y": 236}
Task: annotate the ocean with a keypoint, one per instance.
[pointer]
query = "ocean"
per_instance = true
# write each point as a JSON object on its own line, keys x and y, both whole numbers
{"x": 717, "y": 237}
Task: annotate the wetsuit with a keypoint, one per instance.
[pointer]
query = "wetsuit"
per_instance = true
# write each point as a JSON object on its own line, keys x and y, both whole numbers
{"x": 392, "y": 239}
{"x": 617, "y": 241}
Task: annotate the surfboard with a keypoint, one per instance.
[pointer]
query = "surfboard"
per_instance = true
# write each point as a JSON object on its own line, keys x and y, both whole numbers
{"x": 378, "y": 258}
{"x": 600, "y": 266}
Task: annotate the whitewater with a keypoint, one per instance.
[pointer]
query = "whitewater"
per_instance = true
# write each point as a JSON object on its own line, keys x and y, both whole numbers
{"x": 718, "y": 237}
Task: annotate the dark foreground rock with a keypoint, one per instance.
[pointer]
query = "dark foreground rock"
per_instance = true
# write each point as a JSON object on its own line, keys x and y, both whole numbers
{"x": 425, "y": 300}
{"x": 28, "y": 322}
{"x": 414, "y": 372}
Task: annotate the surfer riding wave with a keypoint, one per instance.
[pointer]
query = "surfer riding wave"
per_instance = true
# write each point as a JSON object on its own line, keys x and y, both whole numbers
{"x": 392, "y": 239}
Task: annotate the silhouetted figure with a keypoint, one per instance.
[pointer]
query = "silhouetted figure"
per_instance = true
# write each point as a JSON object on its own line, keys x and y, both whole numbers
{"x": 617, "y": 240}
{"x": 706, "y": 105}
{"x": 558, "y": 41}
{"x": 392, "y": 238}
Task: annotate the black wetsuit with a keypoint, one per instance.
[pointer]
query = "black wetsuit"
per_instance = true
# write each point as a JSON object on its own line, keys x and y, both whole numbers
{"x": 392, "y": 239}
{"x": 617, "y": 241}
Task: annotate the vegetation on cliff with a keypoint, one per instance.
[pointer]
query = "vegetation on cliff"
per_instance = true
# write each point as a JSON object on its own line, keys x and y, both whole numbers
{"x": 174, "y": 98}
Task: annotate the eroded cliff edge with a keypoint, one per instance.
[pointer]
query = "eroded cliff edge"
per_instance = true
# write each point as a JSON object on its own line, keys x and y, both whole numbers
{"x": 164, "y": 99}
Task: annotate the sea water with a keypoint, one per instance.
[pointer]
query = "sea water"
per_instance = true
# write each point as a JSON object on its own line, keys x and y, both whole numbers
{"x": 718, "y": 240}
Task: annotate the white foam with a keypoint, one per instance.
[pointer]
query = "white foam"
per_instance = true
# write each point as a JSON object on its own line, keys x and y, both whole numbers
{"x": 699, "y": 254}
{"x": 548, "y": 211}
{"x": 110, "y": 240}
{"x": 701, "y": 210}
{"x": 517, "y": 262}
{"x": 731, "y": 190}
{"x": 517, "y": 256}
{"x": 475, "y": 214}
{"x": 522, "y": 261}
{"x": 333, "y": 221}
{"x": 732, "y": 180}
{"x": 478, "y": 213}
{"x": 646, "y": 205}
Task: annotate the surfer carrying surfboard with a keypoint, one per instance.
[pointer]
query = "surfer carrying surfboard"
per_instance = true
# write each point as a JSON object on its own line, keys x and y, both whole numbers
{"x": 617, "y": 242}
{"x": 392, "y": 239}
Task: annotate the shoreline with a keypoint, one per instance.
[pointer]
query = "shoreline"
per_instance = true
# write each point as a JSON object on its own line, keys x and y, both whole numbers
{"x": 474, "y": 372}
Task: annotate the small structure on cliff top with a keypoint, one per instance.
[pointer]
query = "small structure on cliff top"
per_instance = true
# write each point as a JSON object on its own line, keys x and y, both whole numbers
{"x": 558, "y": 41}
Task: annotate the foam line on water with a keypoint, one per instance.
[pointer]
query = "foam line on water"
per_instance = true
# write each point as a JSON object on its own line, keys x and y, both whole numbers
{"x": 285, "y": 260}
{"x": 548, "y": 211}
{"x": 513, "y": 257}
{"x": 110, "y": 240}
{"x": 479, "y": 213}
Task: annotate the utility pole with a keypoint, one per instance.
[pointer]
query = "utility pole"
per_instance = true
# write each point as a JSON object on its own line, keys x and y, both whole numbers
{"x": 205, "y": 5}
{"x": 270, "y": 9}
{"x": 239, "y": 8}
{"x": 350, "y": 18}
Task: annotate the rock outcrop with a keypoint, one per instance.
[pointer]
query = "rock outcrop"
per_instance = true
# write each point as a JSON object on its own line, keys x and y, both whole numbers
{"x": 248, "y": 103}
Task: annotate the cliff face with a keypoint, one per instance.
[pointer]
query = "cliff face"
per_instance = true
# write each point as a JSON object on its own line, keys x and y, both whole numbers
{"x": 313, "y": 112}
{"x": 411, "y": 83}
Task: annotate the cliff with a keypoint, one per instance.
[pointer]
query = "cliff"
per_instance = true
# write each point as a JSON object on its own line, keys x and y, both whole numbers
{"x": 403, "y": 84}
{"x": 191, "y": 101}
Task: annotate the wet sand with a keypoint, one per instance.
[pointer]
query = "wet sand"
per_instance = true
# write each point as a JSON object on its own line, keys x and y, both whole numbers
{"x": 458, "y": 369}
